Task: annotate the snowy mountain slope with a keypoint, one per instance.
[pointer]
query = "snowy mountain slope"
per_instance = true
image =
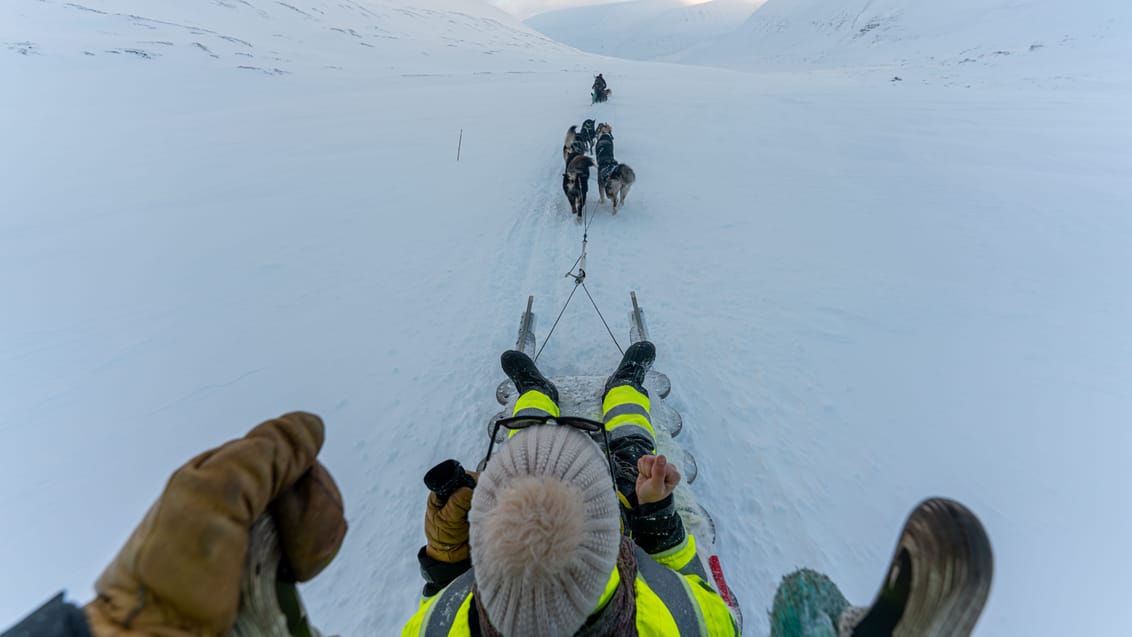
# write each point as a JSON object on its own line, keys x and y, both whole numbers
{"x": 1044, "y": 36}
{"x": 276, "y": 37}
{"x": 863, "y": 296}
{"x": 643, "y": 29}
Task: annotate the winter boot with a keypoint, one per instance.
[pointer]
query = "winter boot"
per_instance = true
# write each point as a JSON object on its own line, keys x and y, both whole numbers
{"x": 936, "y": 586}
{"x": 522, "y": 371}
{"x": 634, "y": 365}
{"x": 938, "y": 581}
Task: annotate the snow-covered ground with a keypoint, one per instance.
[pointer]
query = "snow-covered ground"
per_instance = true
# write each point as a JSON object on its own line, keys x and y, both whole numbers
{"x": 864, "y": 292}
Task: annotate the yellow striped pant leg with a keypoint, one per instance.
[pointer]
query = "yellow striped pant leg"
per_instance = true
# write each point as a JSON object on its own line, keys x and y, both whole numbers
{"x": 625, "y": 412}
{"x": 534, "y": 404}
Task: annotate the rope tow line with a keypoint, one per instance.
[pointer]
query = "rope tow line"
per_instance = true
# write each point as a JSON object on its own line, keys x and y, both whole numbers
{"x": 578, "y": 273}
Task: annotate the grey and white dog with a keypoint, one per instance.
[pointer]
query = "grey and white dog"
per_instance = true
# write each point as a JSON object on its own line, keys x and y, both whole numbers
{"x": 617, "y": 184}
{"x": 614, "y": 179}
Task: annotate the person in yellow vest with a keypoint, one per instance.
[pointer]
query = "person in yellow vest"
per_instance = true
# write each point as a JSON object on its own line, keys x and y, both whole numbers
{"x": 547, "y": 545}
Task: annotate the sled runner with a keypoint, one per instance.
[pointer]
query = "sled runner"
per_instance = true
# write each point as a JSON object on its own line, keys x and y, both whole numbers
{"x": 582, "y": 395}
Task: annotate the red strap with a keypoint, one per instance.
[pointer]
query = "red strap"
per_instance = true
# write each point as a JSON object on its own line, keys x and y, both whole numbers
{"x": 720, "y": 583}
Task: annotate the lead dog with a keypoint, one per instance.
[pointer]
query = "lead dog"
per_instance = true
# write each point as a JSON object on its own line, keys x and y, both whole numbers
{"x": 575, "y": 183}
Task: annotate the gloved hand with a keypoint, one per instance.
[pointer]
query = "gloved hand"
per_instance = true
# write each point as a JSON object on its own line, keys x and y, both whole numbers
{"x": 179, "y": 573}
{"x": 446, "y": 526}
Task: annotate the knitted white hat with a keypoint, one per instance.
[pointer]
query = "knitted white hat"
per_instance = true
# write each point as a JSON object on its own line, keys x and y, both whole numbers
{"x": 545, "y": 532}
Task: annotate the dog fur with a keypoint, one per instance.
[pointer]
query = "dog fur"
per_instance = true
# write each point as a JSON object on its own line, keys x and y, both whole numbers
{"x": 587, "y": 135}
{"x": 575, "y": 182}
{"x": 603, "y": 152}
{"x": 617, "y": 184}
{"x": 614, "y": 179}
{"x": 603, "y": 128}
{"x": 568, "y": 143}
{"x": 570, "y": 152}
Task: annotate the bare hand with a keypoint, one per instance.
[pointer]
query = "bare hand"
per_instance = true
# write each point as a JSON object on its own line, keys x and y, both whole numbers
{"x": 656, "y": 479}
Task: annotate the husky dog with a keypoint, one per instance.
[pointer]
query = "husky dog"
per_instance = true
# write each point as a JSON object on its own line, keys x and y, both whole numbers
{"x": 587, "y": 134}
{"x": 603, "y": 128}
{"x": 568, "y": 144}
{"x": 617, "y": 184}
{"x": 575, "y": 182}
{"x": 570, "y": 152}
{"x": 603, "y": 151}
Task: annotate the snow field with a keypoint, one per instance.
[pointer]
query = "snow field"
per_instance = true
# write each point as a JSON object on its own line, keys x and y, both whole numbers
{"x": 864, "y": 293}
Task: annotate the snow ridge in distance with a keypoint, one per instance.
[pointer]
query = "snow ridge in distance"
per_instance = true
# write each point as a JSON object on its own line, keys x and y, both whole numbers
{"x": 643, "y": 29}
{"x": 277, "y": 37}
{"x": 1047, "y": 36}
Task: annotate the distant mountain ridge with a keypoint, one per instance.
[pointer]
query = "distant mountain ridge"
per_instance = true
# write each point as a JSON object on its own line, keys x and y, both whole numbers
{"x": 643, "y": 29}
{"x": 808, "y": 33}
{"x": 275, "y": 37}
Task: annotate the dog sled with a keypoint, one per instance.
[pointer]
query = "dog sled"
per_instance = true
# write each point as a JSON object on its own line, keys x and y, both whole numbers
{"x": 601, "y": 95}
{"x": 582, "y": 395}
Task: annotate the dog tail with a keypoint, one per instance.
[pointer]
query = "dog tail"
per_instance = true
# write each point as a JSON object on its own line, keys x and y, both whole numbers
{"x": 627, "y": 174}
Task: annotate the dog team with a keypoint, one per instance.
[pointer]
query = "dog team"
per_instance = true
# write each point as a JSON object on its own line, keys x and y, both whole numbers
{"x": 613, "y": 178}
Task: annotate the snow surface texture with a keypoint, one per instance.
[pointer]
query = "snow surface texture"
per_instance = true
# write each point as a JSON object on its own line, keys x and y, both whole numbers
{"x": 643, "y": 29}
{"x": 864, "y": 292}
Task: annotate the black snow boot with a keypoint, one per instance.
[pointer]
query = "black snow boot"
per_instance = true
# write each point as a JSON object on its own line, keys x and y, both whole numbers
{"x": 634, "y": 364}
{"x": 938, "y": 581}
{"x": 522, "y": 371}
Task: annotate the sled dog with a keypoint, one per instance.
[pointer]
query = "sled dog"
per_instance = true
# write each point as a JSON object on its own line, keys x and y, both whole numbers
{"x": 587, "y": 135}
{"x": 617, "y": 184}
{"x": 603, "y": 151}
{"x": 575, "y": 182}
{"x": 570, "y": 152}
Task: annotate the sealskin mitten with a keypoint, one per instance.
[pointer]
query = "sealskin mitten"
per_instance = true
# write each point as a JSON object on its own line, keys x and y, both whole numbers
{"x": 446, "y": 525}
{"x": 179, "y": 572}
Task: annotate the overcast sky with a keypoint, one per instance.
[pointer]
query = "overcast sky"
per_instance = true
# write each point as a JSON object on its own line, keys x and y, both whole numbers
{"x": 527, "y": 8}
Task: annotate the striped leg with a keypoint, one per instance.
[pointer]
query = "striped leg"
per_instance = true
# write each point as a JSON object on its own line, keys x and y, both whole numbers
{"x": 625, "y": 412}
{"x": 535, "y": 404}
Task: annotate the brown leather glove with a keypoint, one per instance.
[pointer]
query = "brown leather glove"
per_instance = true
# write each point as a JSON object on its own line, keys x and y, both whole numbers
{"x": 446, "y": 527}
{"x": 179, "y": 573}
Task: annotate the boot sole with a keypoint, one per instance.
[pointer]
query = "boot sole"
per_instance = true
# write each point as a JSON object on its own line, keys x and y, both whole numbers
{"x": 939, "y": 579}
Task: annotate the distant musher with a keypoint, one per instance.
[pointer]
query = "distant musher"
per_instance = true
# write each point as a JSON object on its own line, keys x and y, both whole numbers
{"x": 600, "y": 92}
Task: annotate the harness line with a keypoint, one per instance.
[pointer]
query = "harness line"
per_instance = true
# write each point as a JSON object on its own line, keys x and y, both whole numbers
{"x": 579, "y": 280}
